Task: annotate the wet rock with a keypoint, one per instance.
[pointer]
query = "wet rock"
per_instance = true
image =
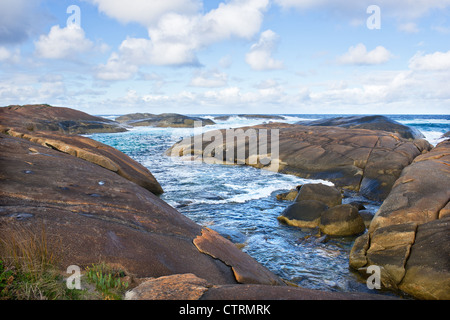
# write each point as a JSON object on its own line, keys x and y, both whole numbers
{"x": 288, "y": 196}
{"x": 342, "y": 220}
{"x": 320, "y": 192}
{"x": 303, "y": 214}
{"x": 367, "y": 216}
{"x": 358, "y": 205}
{"x": 245, "y": 269}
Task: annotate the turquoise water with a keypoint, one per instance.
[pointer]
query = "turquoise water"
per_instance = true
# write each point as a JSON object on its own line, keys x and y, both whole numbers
{"x": 240, "y": 202}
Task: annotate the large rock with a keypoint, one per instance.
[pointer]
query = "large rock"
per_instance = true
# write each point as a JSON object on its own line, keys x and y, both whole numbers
{"x": 342, "y": 220}
{"x": 408, "y": 237}
{"x": 420, "y": 193}
{"x": 90, "y": 214}
{"x": 191, "y": 287}
{"x": 321, "y": 192}
{"x": 162, "y": 120}
{"x": 95, "y": 152}
{"x": 368, "y": 122}
{"x": 362, "y": 160}
{"x": 303, "y": 214}
{"x": 339, "y": 220}
{"x": 43, "y": 117}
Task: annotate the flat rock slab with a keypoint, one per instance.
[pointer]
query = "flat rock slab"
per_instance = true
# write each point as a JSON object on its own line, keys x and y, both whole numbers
{"x": 95, "y": 152}
{"x": 367, "y": 161}
{"x": 211, "y": 243}
{"x": 173, "y": 120}
{"x": 43, "y": 117}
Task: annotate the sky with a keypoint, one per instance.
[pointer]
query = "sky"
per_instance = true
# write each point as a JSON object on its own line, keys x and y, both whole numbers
{"x": 227, "y": 56}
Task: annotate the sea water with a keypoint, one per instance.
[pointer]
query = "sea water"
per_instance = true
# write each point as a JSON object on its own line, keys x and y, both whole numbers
{"x": 240, "y": 202}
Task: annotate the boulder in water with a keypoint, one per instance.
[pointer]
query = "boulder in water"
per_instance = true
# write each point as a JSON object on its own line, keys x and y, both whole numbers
{"x": 321, "y": 192}
{"x": 342, "y": 220}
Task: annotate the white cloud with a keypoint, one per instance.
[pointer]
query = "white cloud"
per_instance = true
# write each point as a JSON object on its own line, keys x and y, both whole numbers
{"x": 401, "y": 9}
{"x": 21, "y": 89}
{"x": 260, "y": 55}
{"x": 209, "y": 79}
{"x": 116, "y": 69}
{"x": 438, "y": 61}
{"x": 176, "y": 38}
{"x": 62, "y": 43}
{"x": 145, "y": 12}
{"x": 9, "y": 56}
{"x": 409, "y": 27}
{"x": 358, "y": 55}
{"x": 226, "y": 61}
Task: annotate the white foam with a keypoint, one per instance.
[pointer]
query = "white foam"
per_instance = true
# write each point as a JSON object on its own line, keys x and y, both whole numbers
{"x": 424, "y": 121}
{"x": 433, "y": 137}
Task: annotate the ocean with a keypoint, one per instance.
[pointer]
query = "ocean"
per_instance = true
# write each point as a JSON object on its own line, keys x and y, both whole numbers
{"x": 240, "y": 202}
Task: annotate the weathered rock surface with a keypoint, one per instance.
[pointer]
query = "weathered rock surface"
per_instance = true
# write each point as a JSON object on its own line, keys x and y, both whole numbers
{"x": 321, "y": 192}
{"x": 95, "y": 152}
{"x": 58, "y": 119}
{"x": 162, "y": 120}
{"x": 362, "y": 160}
{"x": 288, "y": 196}
{"x": 421, "y": 192}
{"x": 342, "y": 220}
{"x": 409, "y": 235}
{"x": 174, "y": 287}
{"x": 369, "y": 122}
{"x": 191, "y": 287}
{"x": 91, "y": 214}
{"x": 303, "y": 214}
{"x": 319, "y": 205}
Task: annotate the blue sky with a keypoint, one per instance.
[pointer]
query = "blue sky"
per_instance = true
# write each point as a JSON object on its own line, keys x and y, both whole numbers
{"x": 235, "y": 56}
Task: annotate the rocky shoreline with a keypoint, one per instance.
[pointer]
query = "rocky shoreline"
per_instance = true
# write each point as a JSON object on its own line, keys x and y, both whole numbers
{"x": 408, "y": 236}
{"x": 97, "y": 204}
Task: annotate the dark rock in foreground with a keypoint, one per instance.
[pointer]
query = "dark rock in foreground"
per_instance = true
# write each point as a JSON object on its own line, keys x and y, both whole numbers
{"x": 94, "y": 152}
{"x": 304, "y": 214}
{"x": 409, "y": 237}
{"x": 91, "y": 214}
{"x": 368, "y": 122}
{"x": 63, "y": 120}
{"x": 162, "y": 120}
{"x": 321, "y": 192}
{"x": 190, "y": 287}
